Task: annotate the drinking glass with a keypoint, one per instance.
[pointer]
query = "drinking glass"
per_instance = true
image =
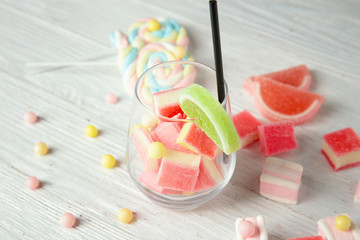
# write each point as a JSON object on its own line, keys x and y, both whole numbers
{"x": 162, "y": 77}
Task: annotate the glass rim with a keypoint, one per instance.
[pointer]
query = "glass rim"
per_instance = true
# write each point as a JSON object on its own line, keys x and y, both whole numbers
{"x": 140, "y": 79}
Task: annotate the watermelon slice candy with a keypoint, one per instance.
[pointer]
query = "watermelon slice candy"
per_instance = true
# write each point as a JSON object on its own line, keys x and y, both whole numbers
{"x": 278, "y": 101}
{"x": 298, "y": 76}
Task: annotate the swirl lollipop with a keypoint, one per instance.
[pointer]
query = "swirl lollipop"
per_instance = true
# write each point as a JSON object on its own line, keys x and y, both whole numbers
{"x": 149, "y": 42}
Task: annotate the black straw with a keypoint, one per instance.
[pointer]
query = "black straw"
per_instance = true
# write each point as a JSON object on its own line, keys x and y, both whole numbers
{"x": 217, "y": 49}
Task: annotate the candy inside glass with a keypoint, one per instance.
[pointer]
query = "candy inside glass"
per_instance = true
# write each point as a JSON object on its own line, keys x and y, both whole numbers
{"x": 166, "y": 76}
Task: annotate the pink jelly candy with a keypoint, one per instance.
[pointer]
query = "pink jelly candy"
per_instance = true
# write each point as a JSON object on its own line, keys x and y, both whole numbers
{"x": 247, "y": 127}
{"x": 277, "y": 137}
{"x": 342, "y": 149}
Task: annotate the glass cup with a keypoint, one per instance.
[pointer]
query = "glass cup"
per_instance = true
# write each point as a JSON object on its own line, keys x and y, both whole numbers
{"x": 144, "y": 121}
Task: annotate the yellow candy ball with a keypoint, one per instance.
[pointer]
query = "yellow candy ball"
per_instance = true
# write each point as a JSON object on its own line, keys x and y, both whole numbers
{"x": 108, "y": 161}
{"x": 125, "y": 215}
{"x": 40, "y": 148}
{"x": 153, "y": 25}
{"x": 91, "y": 131}
{"x": 156, "y": 150}
{"x": 342, "y": 223}
{"x": 179, "y": 52}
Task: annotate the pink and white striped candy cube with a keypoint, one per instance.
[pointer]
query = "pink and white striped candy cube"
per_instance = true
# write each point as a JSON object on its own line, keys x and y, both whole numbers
{"x": 179, "y": 170}
{"x": 281, "y": 180}
{"x": 342, "y": 149}
{"x": 209, "y": 176}
{"x": 142, "y": 139}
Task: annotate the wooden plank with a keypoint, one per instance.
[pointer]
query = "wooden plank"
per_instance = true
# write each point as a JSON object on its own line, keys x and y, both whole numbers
{"x": 257, "y": 36}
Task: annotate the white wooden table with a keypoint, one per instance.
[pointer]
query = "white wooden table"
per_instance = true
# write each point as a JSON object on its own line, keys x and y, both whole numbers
{"x": 258, "y": 36}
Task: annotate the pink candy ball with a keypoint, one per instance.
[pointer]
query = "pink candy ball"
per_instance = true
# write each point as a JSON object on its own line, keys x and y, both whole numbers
{"x": 32, "y": 183}
{"x": 246, "y": 228}
{"x": 30, "y": 117}
{"x": 67, "y": 220}
{"x": 111, "y": 98}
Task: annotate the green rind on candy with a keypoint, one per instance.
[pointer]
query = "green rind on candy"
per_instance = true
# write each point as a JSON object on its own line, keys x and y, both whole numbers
{"x": 199, "y": 104}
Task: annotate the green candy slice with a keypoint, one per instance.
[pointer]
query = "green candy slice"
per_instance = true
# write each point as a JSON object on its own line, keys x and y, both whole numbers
{"x": 198, "y": 103}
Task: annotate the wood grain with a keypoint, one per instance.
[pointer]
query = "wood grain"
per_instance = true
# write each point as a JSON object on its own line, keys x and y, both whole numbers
{"x": 257, "y": 36}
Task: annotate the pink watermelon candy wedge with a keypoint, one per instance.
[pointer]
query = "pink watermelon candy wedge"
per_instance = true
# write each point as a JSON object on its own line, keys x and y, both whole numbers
{"x": 278, "y": 101}
{"x": 298, "y": 76}
{"x": 247, "y": 127}
{"x": 193, "y": 138}
{"x": 210, "y": 174}
{"x": 166, "y": 102}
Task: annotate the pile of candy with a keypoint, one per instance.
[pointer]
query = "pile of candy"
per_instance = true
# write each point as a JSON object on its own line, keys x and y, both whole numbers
{"x": 177, "y": 154}
{"x": 283, "y": 98}
{"x": 179, "y": 145}
{"x": 337, "y": 227}
{"x": 68, "y": 220}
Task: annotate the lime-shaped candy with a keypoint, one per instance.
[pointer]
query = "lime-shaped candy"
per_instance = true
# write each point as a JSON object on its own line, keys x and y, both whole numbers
{"x": 199, "y": 104}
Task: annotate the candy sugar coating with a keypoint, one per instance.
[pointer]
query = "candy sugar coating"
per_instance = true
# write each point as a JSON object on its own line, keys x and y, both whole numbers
{"x": 67, "y": 220}
{"x": 30, "y": 117}
{"x": 156, "y": 150}
{"x": 111, "y": 98}
{"x": 193, "y": 138}
{"x": 167, "y": 133}
{"x": 108, "y": 161}
{"x": 179, "y": 171}
{"x": 166, "y": 102}
{"x": 277, "y": 137}
{"x": 125, "y": 215}
{"x": 247, "y": 127}
{"x": 32, "y": 183}
{"x": 41, "y": 149}
{"x": 210, "y": 174}
{"x": 149, "y": 178}
{"x": 198, "y": 103}
{"x": 91, "y": 131}
{"x": 342, "y": 222}
{"x": 342, "y": 149}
